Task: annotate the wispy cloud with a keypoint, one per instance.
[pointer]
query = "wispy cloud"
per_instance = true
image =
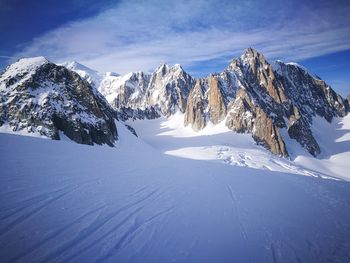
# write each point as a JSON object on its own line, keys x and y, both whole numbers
{"x": 138, "y": 35}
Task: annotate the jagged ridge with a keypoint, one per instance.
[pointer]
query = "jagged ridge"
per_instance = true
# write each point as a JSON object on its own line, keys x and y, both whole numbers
{"x": 250, "y": 96}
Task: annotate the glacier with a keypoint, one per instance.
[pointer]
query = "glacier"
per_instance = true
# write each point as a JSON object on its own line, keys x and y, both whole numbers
{"x": 168, "y": 196}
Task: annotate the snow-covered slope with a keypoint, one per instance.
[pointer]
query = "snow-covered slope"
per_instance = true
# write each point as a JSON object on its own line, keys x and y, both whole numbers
{"x": 65, "y": 202}
{"x": 334, "y": 140}
{"x": 217, "y": 143}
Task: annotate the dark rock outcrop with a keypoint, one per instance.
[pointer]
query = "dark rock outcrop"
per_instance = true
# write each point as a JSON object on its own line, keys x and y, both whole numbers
{"x": 196, "y": 107}
{"x": 216, "y": 101}
{"x": 40, "y": 97}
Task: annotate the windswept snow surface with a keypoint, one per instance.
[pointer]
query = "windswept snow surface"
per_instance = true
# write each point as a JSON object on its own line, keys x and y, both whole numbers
{"x": 65, "y": 202}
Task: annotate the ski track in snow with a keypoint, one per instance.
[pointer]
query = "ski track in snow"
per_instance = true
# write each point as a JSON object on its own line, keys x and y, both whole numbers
{"x": 235, "y": 205}
{"x": 44, "y": 202}
{"x": 167, "y": 196}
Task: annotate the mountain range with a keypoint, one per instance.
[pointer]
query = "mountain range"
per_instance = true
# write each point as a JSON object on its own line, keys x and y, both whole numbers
{"x": 273, "y": 102}
{"x": 245, "y": 165}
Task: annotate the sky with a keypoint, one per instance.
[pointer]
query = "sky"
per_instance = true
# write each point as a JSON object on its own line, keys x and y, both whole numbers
{"x": 203, "y": 36}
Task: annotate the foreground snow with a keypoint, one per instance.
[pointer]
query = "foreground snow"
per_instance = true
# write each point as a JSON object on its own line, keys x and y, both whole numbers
{"x": 64, "y": 202}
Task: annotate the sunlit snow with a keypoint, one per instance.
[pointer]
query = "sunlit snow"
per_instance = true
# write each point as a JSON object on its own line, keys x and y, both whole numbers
{"x": 170, "y": 195}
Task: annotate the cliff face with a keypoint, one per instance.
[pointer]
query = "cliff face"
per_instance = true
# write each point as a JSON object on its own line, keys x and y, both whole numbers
{"x": 244, "y": 116}
{"x": 196, "y": 115}
{"x": 216, "y": 101}
{"x": 259, "y": 98}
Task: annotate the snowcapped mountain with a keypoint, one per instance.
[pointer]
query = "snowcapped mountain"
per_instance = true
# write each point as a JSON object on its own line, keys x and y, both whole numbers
{"x": 254, "y": 97}
{"x": 273, "y": 102}
{"x": 186, "y": 188}
{"x": 39, "y": 97}
{"x": 139, "y": 95}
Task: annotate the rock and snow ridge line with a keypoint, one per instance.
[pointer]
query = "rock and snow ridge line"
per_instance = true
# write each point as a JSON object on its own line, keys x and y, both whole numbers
{"x": 272, "y": 102}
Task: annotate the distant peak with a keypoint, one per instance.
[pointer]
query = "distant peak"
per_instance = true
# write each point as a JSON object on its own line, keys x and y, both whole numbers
{"x": 74, "y": 65}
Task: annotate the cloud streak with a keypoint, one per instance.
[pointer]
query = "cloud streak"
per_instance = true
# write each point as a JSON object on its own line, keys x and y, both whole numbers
{"x": 138, "y": 35}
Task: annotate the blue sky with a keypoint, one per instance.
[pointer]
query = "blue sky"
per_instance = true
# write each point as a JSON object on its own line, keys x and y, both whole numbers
{"x": 203, "y": 36}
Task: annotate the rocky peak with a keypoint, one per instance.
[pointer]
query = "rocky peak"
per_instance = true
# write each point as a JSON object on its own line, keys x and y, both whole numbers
{"x": 196, "y": 106}
{"x": 168, "y": 89}
{"x": 253, "y": 58}
{"x": 125, "y": 91}
{"x": 253, "y": 69}
{"x": 39, "y": 97}
{"x": 261, "y": 98}
{"x": 216, "y": 100}
{"x": 162, "y": 69}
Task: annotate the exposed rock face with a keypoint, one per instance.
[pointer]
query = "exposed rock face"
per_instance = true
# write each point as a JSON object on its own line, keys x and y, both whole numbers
{"x": 250, "y": 96}
{"x": 40, "y": 97}
{"x": 216, "y": 101}
{"x": 300, "y": 131}
{"x": 196, "y": 107}
{"x": 262, "y": 99}
{"x": 149, "y": 113}
{"x": 240, "y": 117}
{"x": 309, "y": 96}
{"x": 126, "y": 91}
{"x": 309, "y": 93}
{"x": 169, "y": 88}
{"x": 165, "y": 90}
{"x": 267, "y": 132}
{"x": 244, "y": 116}
{"x": 258, "y": 74}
